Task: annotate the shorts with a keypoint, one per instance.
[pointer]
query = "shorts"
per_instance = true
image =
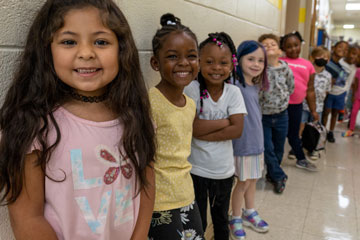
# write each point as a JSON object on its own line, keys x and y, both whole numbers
{"x": 335, "y": 101}
{"x": 307, "y": 117}
{"x": 249, "y": 167}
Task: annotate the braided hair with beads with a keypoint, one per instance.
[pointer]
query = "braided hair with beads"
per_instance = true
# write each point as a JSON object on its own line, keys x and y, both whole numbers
{"x": 219, "y": 39}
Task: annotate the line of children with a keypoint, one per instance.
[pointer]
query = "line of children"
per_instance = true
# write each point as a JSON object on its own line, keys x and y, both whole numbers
{"x": 249, "y": 148}
{"x": 92, "y": 136}
{"x": 274, "y": 103}
{"x": 220, "y": 109}
{"x": 319, "y": 58}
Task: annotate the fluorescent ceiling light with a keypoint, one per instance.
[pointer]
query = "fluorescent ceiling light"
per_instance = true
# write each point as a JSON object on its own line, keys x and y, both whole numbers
{"x": 348, "y": 26}
{"x": 352, "y": 6}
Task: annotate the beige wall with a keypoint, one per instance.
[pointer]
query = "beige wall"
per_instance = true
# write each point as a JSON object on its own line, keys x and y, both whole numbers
{"x": 298, "y": 18}
{"x": 242, "y": 19}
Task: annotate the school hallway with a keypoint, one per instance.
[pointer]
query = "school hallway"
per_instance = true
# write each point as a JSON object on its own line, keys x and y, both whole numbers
{"x": 315, "y": 205}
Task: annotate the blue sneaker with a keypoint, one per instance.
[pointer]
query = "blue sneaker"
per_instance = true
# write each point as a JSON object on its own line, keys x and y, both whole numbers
{"x": 236, "y": 229}
{"x": 255, "y": 222}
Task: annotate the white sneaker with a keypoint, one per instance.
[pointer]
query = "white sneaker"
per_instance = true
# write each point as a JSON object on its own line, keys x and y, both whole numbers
{"x": 314, "y": 155}
{"x": 291, "y": 155}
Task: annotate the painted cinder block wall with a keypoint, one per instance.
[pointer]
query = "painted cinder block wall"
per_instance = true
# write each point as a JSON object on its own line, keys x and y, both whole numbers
{"x": 242, "y": 19}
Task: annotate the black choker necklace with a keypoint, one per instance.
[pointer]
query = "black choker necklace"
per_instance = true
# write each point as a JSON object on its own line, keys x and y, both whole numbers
{"x": 90, "y": 99}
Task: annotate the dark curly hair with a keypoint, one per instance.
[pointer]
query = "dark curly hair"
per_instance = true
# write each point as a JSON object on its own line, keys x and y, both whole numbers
{"x": 36, "y": 92}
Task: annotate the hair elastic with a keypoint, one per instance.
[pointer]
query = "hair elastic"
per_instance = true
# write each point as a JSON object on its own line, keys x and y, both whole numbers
{"x": 234, "y": 60}
{"x": 218, "y": 43}
{"x": 169, "y": 22}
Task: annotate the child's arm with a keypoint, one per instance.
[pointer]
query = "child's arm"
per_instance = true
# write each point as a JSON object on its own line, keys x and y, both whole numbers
{"x": 203, "y": 127}
{"x": 234, "y": 130}
{"x": 147, "y": 199}
{"x": 27, "y": 212}
{"x": 311, "y": 97}
{"x": 332, "y": 81}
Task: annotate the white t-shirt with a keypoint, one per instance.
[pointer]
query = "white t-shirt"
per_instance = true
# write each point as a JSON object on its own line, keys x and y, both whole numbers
{"x": 214, "y": 160}
{"x": 350, "y": 70}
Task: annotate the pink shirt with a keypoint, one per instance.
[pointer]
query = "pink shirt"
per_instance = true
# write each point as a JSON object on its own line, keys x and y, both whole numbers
{"x": 357, "y": 75}
{"x": 90, "y": 203}
{"x": 302, "y": 69}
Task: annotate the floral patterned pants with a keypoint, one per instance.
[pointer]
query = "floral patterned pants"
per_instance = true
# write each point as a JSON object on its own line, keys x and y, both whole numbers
{"x": 177, "y": 224}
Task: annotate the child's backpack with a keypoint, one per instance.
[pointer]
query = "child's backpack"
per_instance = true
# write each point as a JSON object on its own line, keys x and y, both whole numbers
{"x": 314, "y": 136}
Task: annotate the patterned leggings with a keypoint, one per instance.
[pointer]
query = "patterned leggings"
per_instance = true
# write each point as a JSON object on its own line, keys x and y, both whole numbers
{"x": 177, "y": 224}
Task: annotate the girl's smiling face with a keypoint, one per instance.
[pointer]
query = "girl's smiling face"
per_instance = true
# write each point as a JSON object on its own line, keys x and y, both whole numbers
{"x": 215, "y": 63}
{"x": 341, "y": 50}
{"x": 177, "y": 60}
{"x": 351, "y": 56}
{"x": 292, "y": 47}
{"x": 252, "y": 64}
{"x": 85, "y": 52}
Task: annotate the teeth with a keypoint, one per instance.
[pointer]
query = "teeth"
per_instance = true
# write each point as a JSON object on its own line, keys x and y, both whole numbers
{"x": 182, "y": 74}
{"x": 80, "y": 70}
{"x": 215, "y": 75}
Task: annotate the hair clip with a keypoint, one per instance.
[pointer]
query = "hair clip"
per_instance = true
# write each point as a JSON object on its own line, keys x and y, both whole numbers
{"x": 234, "y": 59}
{"x": 169, "y": 22}
{"x": 218, "y": 42}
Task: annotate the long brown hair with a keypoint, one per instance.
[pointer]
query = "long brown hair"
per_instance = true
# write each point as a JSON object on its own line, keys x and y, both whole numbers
{"x": 36, "y": 92}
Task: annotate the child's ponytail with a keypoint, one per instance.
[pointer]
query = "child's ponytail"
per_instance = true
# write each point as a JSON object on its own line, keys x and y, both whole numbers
{"x": 169, "y": 24}
{"x": 286, "y": 36}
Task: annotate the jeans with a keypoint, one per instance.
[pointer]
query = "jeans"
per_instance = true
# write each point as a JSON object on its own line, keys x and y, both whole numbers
{"x": 218, "y": 191}
{"x": 275, "y": 130}
{"x": 307, "y": 117}
{"x": 295, "y": 112}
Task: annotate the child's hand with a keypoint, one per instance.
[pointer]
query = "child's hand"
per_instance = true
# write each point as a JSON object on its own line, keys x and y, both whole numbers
{"x": 315, "y": 116}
